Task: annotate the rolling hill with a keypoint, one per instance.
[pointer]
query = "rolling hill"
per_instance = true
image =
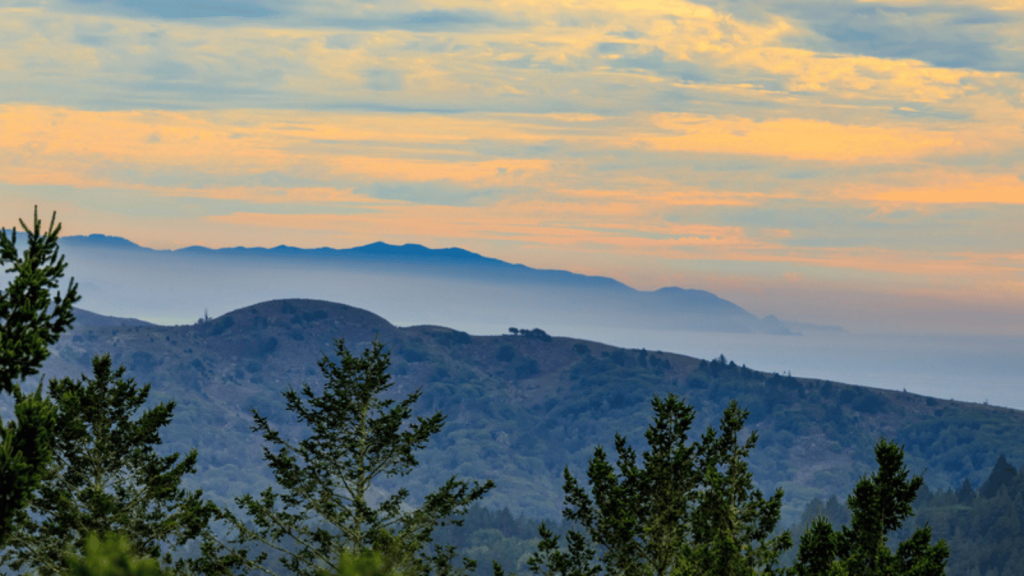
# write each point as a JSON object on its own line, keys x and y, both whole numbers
{"x": 521, "y": 407}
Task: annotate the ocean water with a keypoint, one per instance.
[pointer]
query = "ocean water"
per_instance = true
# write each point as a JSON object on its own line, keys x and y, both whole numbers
{"x": 970, "y": 368}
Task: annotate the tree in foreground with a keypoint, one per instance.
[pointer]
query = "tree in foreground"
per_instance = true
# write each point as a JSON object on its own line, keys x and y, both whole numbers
{"x": 33, "y": 314}
{"x": 879, "y": 505}
{"x": 326, "y": 507}
{"x": 106, "y": 480}
{"x": 111, "y": 556}
{"x": 690, "y": 509}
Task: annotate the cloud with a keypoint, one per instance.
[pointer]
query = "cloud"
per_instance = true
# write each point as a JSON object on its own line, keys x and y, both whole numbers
{"x": 975, "y": 34}
{"x": 434, "y": 20}
{"x": 866, "y": 140}
{"x": 46, "y": 146}
{"x": 602, "y": 60}
{"x": 944, "y": 187}
{"x": 179, "y": 9}
{"x": 384, "y": 80}
{"x": 510, "y": 221}
{"x": 794, "y": 138}
{"x": 939, "y": 34}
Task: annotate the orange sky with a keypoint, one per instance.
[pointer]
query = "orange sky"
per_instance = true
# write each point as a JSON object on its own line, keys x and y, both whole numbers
{"x": 850, "y": 154}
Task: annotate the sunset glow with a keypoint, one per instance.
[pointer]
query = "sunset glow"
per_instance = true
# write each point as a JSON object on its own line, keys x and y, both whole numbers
{"x": 839, "y": 152}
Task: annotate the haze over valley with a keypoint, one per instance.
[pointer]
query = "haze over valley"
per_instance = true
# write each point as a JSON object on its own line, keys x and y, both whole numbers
{"x": 412, "y": 285}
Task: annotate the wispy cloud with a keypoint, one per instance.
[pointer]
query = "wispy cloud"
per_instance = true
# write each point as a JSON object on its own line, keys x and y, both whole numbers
{"x": 882, "y": 141}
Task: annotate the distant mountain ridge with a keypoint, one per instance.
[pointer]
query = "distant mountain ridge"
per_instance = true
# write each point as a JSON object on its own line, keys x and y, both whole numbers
{"x": 380, "y": 252}
{"x": 573, "y": 298}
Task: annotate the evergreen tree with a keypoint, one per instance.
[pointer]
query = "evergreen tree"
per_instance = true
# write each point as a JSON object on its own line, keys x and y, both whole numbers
{"x": 819, "y": 545}
{"x": 691, "y": 509}
{"x": 106, "y": 479}
{"x": 733, "y": 522}
{"x": 1002, "y": 474}
{"x": 33, "y": 314}
{"x": 879, "y": 505}
{"x": 111, "y": 556}
{"x": 356, "y": 437}
{"x": 965, "y": 494}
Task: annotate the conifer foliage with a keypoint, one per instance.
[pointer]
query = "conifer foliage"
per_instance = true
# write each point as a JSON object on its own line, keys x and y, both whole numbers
{"x": 326, "y": 507}
{"x": 879, "y": 505}
{"x": 690, "y": 509}
{"x": 33, "y": 314}
{"x": 106, "y": 479}
{"x": 112, "y": 556}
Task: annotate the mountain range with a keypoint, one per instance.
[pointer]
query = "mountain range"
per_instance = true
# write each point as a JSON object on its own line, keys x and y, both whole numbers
{"x": 409, "y": 283}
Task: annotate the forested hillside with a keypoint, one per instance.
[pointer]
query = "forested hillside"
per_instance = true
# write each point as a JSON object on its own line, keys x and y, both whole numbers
{"x": 983, "y": 526}
{"x": 522, "y": 405}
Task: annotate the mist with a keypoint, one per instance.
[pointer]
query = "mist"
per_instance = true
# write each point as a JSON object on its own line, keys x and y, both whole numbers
{"x": 483, "y": 296}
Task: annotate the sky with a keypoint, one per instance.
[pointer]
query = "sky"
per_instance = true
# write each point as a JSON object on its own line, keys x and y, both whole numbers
{"x": 834, "y": 161}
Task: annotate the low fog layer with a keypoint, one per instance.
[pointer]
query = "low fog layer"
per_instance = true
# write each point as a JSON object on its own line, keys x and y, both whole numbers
{"x": 960, "y": 367}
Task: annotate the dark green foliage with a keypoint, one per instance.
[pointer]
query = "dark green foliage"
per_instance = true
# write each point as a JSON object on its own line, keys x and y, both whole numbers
{"x": 328, "y": 480}
{"x": 576, "y": 559}
{"x": 619, "y": 357}
{"x": 984, "y": 533}
{"x": 985, "y": 536}
{"x": 24, "y": 454}
{"x": 452, "y": 338}
{"x": 33, "y": 314}
{"x": 364, "y": 564}
{"x": 315, "y": 316}
{"x": 879, "y": 506}
{"x": 259, "y": 348}
{"x": 1002, "y": 475}
{"x": 819, "y": 546}
{"x": 495, "y": 536}
{"x": 111, "y": 556}
{"x": 526, "y": 367}
{"x": 413, "y": 351}
{"x": 142, "y": 361}
{"x": 534, "y": 334}
{"x": 965, "y": 494}
{"x": 870, "y": 403}
{"x": 106, "y": 478}
{"x": 687, "y": 508}
{"x": 220, "y": 326}
{"x": 506, "y": 353}
{"x": 832, "y": 510}
{"x": 734, "y": 523}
